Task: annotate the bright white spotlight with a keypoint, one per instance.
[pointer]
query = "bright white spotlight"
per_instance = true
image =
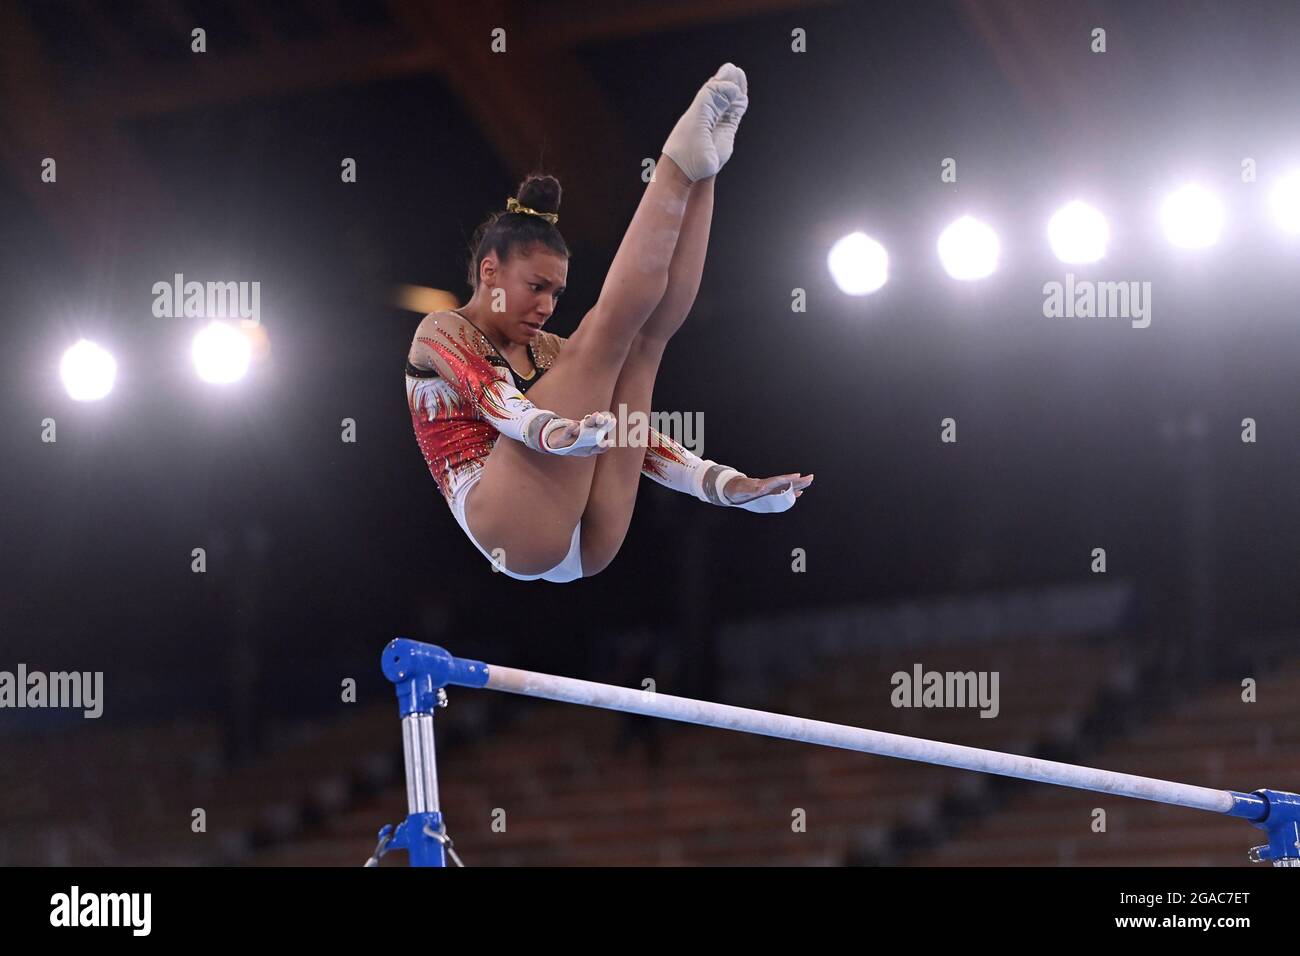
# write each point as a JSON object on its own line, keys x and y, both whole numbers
{"x": 1286, "y": 202}
{"x": 969, "y": 249}
{"x": 88, "y": 371}
{"x": 1192, "y": 218}
{"x": 221, "y": 353}
{"x": 859, "y": 265}
{"x": 1078, "y": 233}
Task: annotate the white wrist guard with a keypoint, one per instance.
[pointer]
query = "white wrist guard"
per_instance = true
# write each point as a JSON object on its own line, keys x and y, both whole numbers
{"x": 713, "y": 479}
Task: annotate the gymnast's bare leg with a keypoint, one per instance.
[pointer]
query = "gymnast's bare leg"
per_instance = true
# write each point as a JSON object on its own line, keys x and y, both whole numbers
{"x": 618, "y": 472}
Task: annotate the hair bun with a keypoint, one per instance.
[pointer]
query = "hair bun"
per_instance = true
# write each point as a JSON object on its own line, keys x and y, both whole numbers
{"x": 540, "y": 192}
{"x": 507, "y": 235}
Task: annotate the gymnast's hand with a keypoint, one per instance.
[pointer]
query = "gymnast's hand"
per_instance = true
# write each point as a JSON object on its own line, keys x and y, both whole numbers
{"x": 766, "y": 495}
{"x": 564, "y": 436}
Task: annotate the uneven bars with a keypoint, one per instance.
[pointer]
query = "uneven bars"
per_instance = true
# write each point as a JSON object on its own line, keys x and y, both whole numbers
{"x": 421, "y": 670}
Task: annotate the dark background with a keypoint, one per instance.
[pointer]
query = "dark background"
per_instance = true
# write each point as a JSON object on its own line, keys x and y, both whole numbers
{"x": 320, "y": 551}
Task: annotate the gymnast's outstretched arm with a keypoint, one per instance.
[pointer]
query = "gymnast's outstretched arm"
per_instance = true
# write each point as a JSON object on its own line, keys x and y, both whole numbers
{"x": 675, "y": 467}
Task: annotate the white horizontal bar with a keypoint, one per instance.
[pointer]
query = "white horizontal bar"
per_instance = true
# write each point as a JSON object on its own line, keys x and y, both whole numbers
{"x": 690, "y": 711}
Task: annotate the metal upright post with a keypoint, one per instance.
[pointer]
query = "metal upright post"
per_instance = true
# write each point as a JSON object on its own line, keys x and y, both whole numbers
{"x": 423, "y": 833}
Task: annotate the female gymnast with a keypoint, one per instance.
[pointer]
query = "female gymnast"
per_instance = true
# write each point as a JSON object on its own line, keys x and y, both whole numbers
{"x": 555, "y": 501}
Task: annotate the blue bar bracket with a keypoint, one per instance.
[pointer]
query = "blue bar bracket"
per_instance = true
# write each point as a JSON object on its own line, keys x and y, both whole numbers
{"x": 419, "y": 670}
{"x": 1280, "y": 819}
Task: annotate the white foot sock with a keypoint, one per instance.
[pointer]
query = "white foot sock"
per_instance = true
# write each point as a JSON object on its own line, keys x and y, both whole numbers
{"x": 690, "y": 145}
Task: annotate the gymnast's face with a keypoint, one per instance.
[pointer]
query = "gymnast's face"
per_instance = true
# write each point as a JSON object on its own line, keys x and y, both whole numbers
{"x": 532, "y": 284}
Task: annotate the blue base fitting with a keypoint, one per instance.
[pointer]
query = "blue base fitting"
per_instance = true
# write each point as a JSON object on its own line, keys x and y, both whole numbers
{"x": 411, "y": 836}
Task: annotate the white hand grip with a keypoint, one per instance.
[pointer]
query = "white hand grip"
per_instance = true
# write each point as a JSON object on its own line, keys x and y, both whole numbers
{"x": 591, "y": 437}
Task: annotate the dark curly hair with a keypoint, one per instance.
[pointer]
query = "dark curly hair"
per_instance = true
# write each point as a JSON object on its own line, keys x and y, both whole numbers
{"x": 506, "y": 233}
